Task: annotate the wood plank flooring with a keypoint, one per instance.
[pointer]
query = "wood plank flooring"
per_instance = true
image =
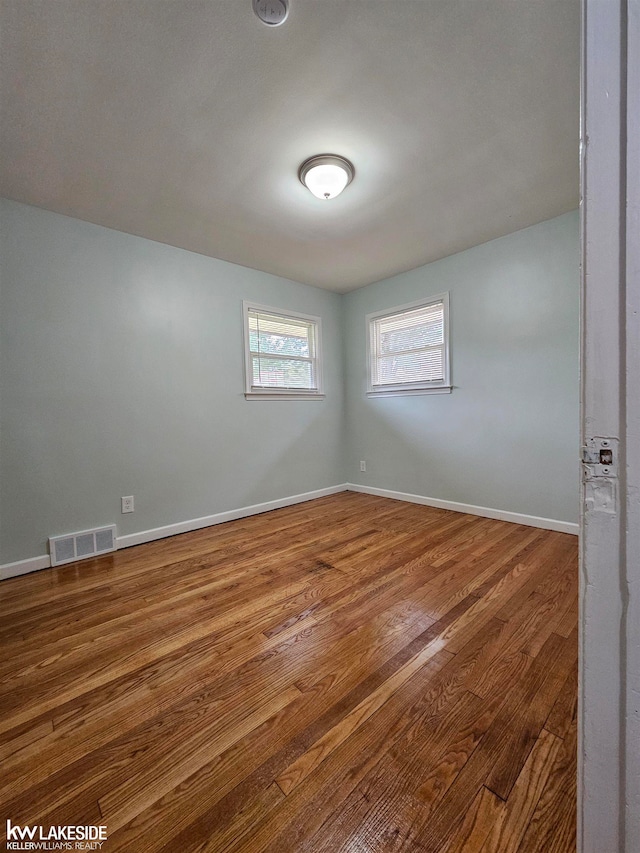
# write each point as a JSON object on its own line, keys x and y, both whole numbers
{"x": 348, "y": 675}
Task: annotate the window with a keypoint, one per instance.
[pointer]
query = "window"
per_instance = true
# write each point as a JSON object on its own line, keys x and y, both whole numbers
{"x": 282, "y": 354}
{"x": 409, "y": 349}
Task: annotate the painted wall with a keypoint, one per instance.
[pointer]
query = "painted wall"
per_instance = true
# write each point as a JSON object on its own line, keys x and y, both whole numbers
{"x": 121, "y": 373}
{"x": 507, "y": 437}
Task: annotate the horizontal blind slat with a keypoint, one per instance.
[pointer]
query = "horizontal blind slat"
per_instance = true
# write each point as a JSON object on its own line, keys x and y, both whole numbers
{"x": 409, "y": 346}
{"x": 269, "y": 333}
{"x": 282, "y": 351}
{"x": 427, "y": 366}
{"x": 270, "y": 372}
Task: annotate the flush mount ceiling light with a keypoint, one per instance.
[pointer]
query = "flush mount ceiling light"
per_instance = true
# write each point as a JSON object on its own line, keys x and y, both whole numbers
{"x": 326, "y": 175}
{"x": 271, "y": 12}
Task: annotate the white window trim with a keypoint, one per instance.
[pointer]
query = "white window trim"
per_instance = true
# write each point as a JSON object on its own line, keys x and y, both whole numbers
{"x": 443, "y": 386}
{"x": 251, "y": 393}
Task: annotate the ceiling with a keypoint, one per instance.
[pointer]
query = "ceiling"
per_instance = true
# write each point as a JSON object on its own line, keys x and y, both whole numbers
{"x": 185, "y": 121}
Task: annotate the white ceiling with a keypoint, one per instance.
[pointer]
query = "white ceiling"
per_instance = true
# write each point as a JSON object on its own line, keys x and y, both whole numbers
{"x": 185, "y": 121}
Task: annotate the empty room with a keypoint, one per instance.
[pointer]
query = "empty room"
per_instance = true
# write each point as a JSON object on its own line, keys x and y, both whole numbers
{"x": 290, "y": 449}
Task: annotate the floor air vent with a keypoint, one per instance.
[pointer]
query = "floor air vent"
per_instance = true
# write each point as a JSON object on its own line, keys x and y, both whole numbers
{"x": 77, "y": 546}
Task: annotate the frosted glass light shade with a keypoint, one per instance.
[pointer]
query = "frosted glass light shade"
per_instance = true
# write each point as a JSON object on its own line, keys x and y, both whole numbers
{"x": 326, "y": 176}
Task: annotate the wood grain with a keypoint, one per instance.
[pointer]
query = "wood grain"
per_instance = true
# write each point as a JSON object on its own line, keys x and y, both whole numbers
{"x": 349, "y": 673}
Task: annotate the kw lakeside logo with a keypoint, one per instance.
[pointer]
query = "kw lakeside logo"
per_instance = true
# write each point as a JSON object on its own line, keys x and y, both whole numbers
{"x": 55, "y": 837}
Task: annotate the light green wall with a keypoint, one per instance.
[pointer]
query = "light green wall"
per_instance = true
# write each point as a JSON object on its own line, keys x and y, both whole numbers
{"x": 121, "y": 373}
{"x": 507, "y": 436}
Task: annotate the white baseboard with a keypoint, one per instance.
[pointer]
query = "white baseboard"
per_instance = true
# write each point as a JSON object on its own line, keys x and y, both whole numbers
{"x": 486, "y": 512}
{"x": 220, "y": 517}
{"x": 23, "y": 567}
{"x": 34, "y": 564}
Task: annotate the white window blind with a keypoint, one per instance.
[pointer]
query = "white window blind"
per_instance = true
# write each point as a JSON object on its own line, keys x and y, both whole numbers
{"x": 282, "y": 352}
{"x": 408, "y": 348}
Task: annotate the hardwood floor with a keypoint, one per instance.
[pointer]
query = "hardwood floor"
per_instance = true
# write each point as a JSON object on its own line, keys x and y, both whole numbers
{"x": 347, "y": 675}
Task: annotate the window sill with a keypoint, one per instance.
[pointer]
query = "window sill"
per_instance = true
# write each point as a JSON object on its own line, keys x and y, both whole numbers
{"x": 406, "y": 392}
{"x": 281, "y": 395}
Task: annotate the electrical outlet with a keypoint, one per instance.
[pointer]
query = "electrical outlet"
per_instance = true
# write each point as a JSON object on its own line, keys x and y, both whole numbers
{"x": 363, "y": 465}
{"x": 127, "y": 504}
